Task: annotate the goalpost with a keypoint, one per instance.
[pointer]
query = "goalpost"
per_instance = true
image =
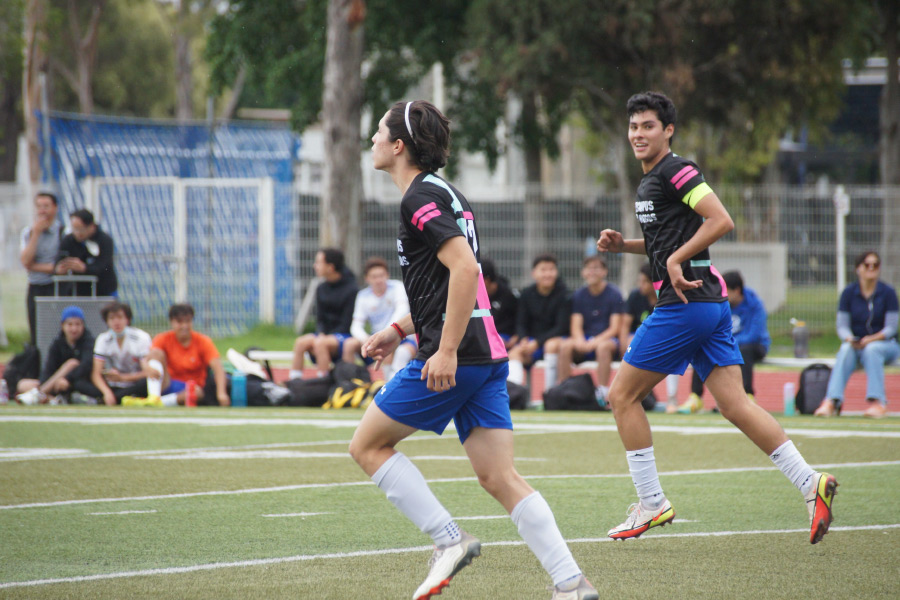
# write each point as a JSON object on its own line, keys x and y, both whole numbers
{"x": 208, "y": 241}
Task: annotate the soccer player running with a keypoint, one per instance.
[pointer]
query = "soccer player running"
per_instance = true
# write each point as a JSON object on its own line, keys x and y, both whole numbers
{"x": 461, "y": 367}
{"x": 680, "y": 218}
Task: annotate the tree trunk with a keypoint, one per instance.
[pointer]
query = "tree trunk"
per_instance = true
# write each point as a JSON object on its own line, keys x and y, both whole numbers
{"x": 184, "y": 82}
{"x": 339, "y": 218}
{"x": 535, "y": 231}
{"x": 35, "y": 64}
{"x": 889, "y": 119}
{"x": 631, "y": 263}
{"x": 84, "y": 49}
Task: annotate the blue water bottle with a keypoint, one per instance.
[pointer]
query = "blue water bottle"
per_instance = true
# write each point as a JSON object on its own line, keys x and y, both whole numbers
{"x": 239, "y": 389}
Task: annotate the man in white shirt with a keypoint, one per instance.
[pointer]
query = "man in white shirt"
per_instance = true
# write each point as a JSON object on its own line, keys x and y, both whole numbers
{"x": 39, "y": 247}
{"x": 120, "y": 355}
{"x": 383, "y": 302}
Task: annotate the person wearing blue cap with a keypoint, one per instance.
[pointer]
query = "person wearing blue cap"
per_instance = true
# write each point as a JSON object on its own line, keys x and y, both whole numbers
{"x": 67, "y": 368}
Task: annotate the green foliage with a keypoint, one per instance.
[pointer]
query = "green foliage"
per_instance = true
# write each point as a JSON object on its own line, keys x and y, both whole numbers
{"x": 282, "y": 45}
{"x": 134, "y": 65}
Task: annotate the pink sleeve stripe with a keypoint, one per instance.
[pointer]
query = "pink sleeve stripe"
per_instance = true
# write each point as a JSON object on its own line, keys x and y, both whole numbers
{"x": 425, "y": 218}
{"x": 680, "y": 173}
{"x": 418, "y": 214}
{"x": 468, "y": 215}
{"x": 682, "y": 179}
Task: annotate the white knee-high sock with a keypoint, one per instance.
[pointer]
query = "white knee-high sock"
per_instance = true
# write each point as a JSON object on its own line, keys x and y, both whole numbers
{"x": 406, "y": 489}
{"x": 154, "y": 385}
{"x": 787, "y": 458}
{"x": 516, "y": 372}
{"x": 537, "y": 526}
{"x": 672, "y": 386}
{"x": 551, "y": 361}
{"x": 642, "y": 465}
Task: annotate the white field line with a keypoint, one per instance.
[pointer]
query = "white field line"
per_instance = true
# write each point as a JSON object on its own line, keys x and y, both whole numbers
{"x": 125, "y": 512}
{"x": 332, "y": 423}
{"x": 366, "y": 553}
{"x": 307, "y": 486}
{"x": 299, "y": 514}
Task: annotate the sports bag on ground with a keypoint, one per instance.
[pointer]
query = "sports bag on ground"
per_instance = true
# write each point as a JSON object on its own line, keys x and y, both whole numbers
{"x": 812, "y": 388}
{"x": 575, "y": 393}
{"x": 518, "y": 396}
{"x": 310, "y": 392}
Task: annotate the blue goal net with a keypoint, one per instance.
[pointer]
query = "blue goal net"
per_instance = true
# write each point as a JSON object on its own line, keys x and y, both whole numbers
{"x": 199, "y": 213}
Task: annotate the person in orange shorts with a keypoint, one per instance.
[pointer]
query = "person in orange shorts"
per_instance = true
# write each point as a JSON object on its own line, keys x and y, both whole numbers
{"x": 179, "y": 356}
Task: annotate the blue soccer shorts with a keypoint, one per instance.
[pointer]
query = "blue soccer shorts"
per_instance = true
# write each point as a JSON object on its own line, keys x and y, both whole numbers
{"x": 479, "y": 399}
{"x": 675, "y": 335}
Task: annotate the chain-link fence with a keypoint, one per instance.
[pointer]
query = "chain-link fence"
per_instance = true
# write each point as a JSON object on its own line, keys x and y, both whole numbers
{"x": 800, "y": 220}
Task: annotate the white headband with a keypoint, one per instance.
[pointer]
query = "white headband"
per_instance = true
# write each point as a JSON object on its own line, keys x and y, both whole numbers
{"x": 406, "y": 116}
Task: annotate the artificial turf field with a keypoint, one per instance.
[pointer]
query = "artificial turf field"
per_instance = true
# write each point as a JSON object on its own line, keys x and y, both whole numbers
{"x": 209, "y": 503}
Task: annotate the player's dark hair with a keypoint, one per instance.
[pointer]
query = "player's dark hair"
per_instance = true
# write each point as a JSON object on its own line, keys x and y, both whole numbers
{"x": 488, "y": 269}
{"x": 116, "y": 307}
{"x": 47, "y": 195}
{"x": 546, "y": 257}
{"x": 180, "y": 311}
{"x": 428, "y": 135}
{"x": 83, "y": 215}
{"x": 646, "y": 272}
{"x": 594, "y": 258}
{"x": 334, "y": 257}
{"x": 733, "y": 280}
{"x": 655, "y": 101}
{"x": 374, "y": 262}
{"x": 862, "y": 258}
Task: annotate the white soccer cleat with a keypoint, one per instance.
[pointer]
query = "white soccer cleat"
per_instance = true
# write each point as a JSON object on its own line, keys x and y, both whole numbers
{"x": 583, "y": 591}
{"x": 446, "y": 563}
{"x": 641, "y": 519}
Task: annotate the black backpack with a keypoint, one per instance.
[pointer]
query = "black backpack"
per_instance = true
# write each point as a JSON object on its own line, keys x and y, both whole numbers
{"x": 25, "y": 365}
{"x": 518, "y": 396}
{"x": 812, "y": 388}
{"x": 575, "y": 393}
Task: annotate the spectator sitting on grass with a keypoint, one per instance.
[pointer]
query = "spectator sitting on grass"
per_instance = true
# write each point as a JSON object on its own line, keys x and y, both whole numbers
{"x": 67, "y": 368}
{"x": 179, "y": 357}
{"x": 119, "y": 356}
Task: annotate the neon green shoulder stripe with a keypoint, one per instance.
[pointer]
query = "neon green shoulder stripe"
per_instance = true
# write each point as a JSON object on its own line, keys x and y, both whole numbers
{"x": 694, "y": 196}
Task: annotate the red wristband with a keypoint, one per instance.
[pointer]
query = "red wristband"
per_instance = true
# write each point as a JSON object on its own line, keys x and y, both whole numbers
{"x": 399, "y": 330}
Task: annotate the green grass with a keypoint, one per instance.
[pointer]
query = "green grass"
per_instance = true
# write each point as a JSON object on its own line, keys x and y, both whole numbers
{"x": 575, "y": 460}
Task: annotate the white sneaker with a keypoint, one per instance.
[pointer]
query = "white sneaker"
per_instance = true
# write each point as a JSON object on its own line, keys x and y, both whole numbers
{"x": 583, "y": 591}
{"x": 446, "y": 563}
{"x": 641, "y": 519}
{"x": 31, "y": 397}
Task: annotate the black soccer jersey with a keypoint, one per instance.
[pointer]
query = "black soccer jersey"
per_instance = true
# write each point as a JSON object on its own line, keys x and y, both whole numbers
{"x": 432, "y": 212}
{"x": 664, "y": 207}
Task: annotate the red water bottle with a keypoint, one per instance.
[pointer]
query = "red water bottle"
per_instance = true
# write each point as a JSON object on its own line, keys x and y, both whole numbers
{"x": 190, "y": 393}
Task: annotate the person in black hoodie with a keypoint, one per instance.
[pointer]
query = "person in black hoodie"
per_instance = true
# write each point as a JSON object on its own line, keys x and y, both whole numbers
{"x": 68, "y": 365}
{"x": 541, "y": 322}
{"x": 88, "y": 250}
{"x": 335, "y": 298}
